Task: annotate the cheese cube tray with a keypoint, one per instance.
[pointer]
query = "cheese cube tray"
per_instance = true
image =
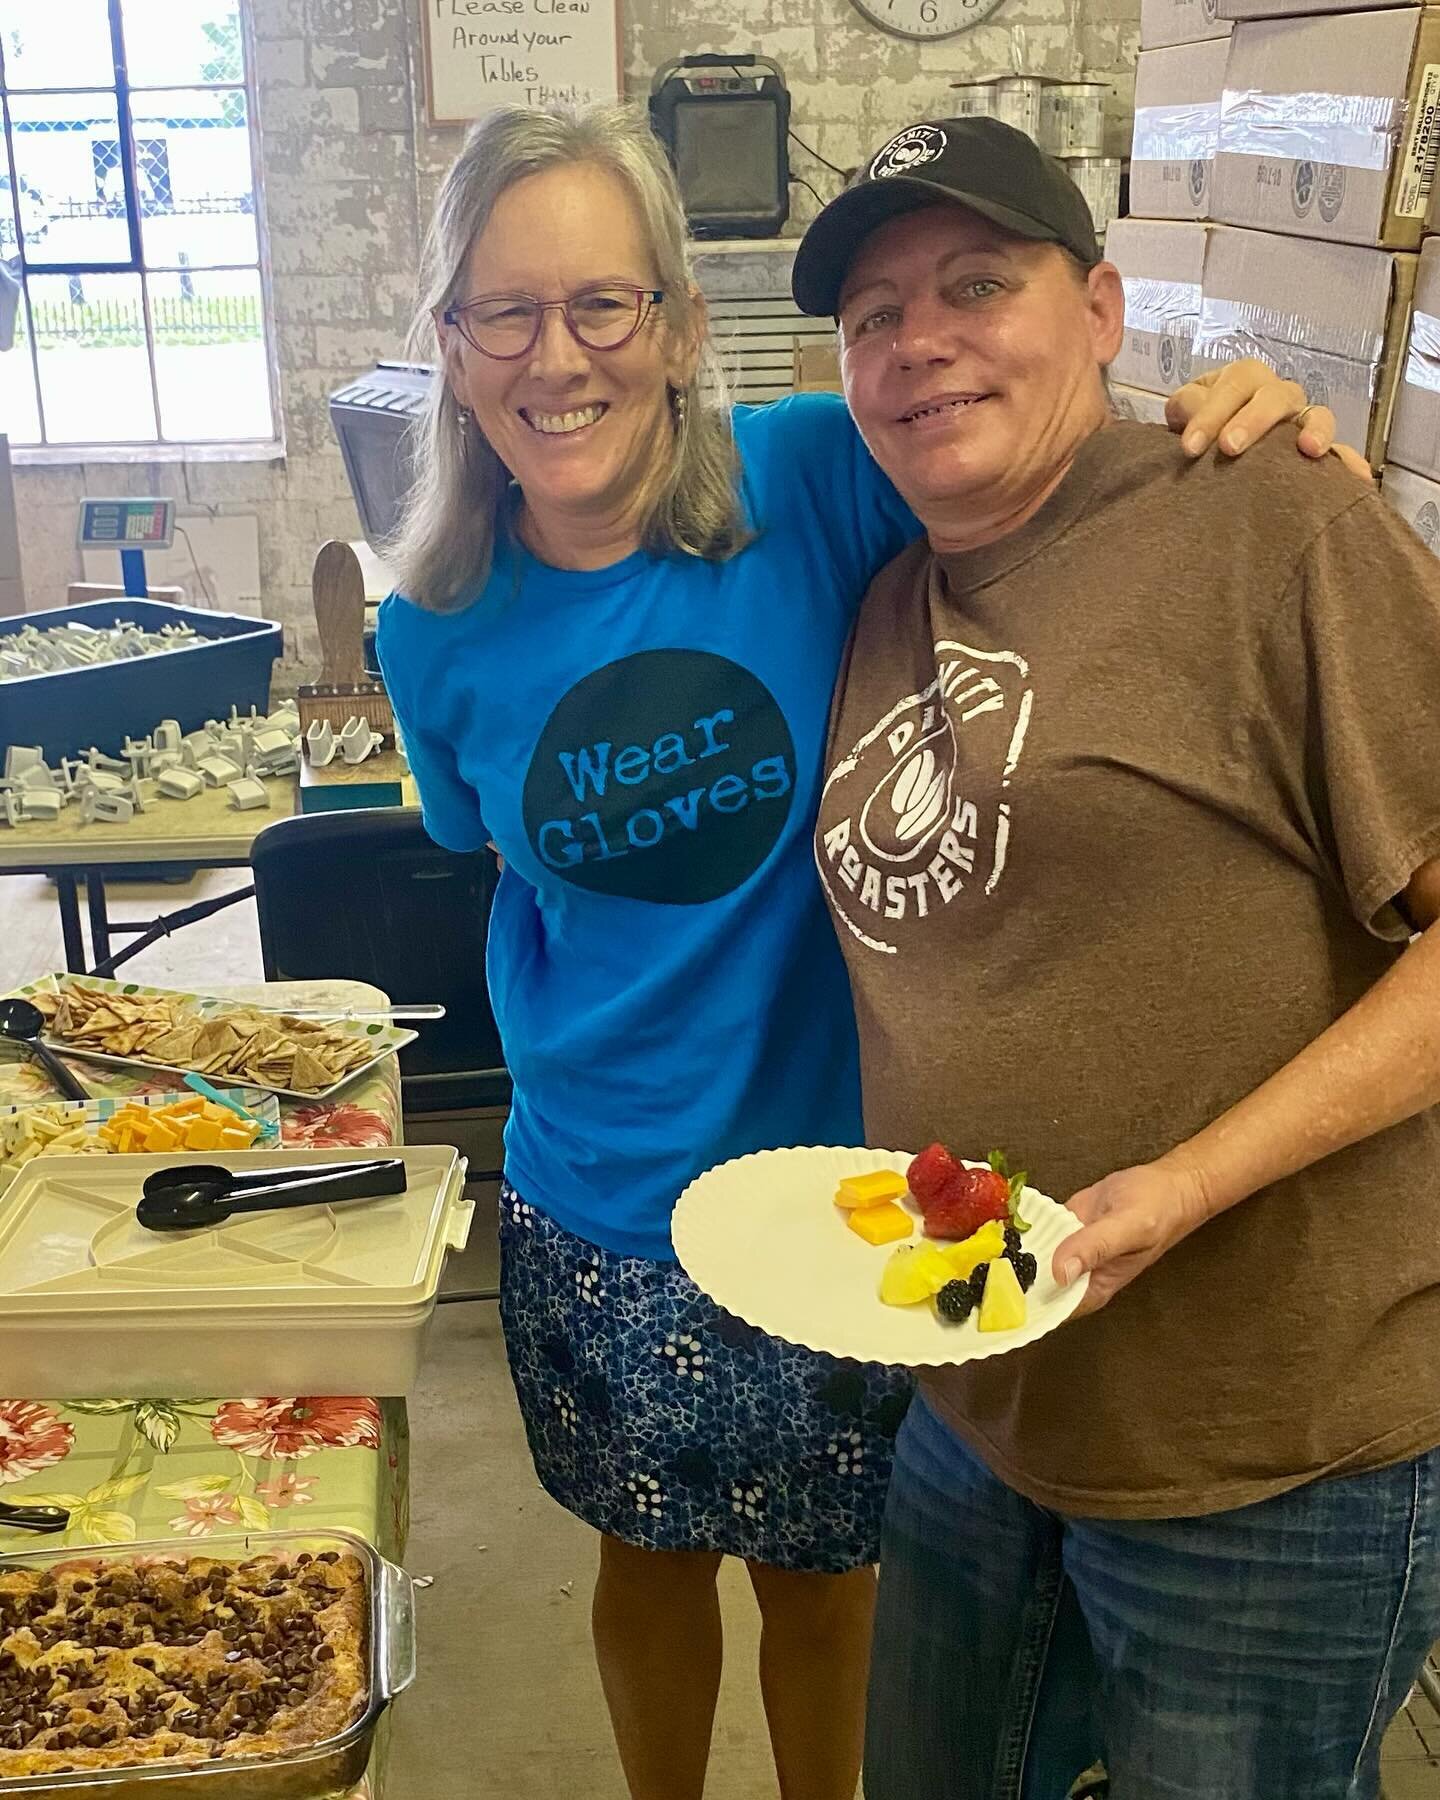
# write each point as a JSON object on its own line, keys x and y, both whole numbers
{"x": 313, "y": 1300}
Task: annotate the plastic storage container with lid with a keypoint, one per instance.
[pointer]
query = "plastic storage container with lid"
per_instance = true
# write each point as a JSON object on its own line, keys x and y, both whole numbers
{"x": 315, "y": 1300}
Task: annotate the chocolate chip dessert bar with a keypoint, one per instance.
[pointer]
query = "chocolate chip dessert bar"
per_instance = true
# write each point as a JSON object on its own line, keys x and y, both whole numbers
{"x": 107, "y": 1664}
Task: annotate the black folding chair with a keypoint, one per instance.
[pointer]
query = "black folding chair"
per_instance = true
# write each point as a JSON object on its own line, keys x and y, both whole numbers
{"x": 365, "y": 895}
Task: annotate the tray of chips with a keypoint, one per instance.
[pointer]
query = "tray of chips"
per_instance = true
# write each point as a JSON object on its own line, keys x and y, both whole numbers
{"x": 125, "y": 1024}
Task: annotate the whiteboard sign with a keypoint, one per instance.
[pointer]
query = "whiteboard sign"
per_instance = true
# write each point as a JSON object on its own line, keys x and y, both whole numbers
{"x": 481, "y": 54}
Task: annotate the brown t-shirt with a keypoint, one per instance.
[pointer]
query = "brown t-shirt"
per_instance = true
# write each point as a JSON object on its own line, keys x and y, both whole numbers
{"x": 1117, "y": 814}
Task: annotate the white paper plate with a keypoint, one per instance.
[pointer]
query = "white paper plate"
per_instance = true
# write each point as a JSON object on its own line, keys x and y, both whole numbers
{"x": 763, "y": 1237}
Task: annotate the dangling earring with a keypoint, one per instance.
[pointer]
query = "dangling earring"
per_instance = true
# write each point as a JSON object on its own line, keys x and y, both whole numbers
{"x": 679, "y": 406}
{"x": 464, "y": 418}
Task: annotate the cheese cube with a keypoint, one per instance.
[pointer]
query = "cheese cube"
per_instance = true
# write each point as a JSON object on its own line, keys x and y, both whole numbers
{"x": 870, "y": 1190}
{"x": 192, "y": 1103}
{"x": 238, "y": 1136}
{"x": 881, "y": 1224}
{"x": 162, "y": 1135}
{"x": 202, "y": 1134}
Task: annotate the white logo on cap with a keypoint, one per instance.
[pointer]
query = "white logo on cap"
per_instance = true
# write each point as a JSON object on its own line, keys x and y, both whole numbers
{"x": 913, "y": 148}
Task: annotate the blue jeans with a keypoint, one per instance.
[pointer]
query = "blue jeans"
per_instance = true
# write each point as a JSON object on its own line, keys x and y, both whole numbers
{"x": 1248, "y": 1655}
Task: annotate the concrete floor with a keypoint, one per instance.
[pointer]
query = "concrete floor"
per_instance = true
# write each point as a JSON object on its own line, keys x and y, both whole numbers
{"x": 508, "y": 1706}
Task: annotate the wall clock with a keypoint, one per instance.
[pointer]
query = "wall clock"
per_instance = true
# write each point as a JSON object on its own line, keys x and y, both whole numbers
{"x": 927, "y": 19}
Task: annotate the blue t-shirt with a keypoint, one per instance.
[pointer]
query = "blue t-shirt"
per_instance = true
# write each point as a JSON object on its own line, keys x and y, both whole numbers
{"x": 644, "y": 745}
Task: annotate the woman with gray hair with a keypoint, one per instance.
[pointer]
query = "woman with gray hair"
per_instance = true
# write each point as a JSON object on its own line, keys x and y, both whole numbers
{"x": 625, "y": 611}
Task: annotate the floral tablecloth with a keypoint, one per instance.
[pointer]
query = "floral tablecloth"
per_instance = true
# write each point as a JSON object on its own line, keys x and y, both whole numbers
{"x": 168, "y": 1467}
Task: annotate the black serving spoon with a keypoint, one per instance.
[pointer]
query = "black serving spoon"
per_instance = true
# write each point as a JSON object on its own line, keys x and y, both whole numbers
{"x": 32, "y": 1518}
{"x": 22, "y": 1023}
{"x": 190, "y": 1197}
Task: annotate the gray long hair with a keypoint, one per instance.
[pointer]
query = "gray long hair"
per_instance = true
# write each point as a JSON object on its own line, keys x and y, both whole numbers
{"x": 442, "y": 550}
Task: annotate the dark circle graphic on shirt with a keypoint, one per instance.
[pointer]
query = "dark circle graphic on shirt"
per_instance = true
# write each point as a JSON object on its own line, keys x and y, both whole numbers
{"x": 1330, "y": 190}
{"x": 1427, "y": 524}
{"x": 1199, "y": 175}
{"x": 666, "y": 776}
{"x": 1302, "y": 188}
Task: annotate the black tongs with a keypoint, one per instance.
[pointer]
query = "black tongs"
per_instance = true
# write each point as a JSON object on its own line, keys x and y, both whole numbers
{"x": 191, "y": 1196}
{"x": 32, "y": 1518}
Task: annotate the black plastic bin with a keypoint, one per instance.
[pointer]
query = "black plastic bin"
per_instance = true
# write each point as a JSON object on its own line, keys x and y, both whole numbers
{"x": 68, "y": 711}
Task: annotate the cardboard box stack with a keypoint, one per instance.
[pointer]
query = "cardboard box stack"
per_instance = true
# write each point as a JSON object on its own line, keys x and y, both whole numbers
{"x": 1291, "y": 147}
{"x": 1412, "y": 472}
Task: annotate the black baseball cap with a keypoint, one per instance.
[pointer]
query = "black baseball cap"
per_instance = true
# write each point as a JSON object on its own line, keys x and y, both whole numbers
{"x": 981, "y": 163}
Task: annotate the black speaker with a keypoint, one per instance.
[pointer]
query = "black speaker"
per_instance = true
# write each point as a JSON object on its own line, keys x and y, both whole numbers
{"x": 725, "y": 121}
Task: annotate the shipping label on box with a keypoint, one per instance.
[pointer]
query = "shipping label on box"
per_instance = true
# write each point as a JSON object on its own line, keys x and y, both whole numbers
{"x": 1328, "y": 126}
{"x": 1415, "y": 427}
{"x": 1177, "y": 129}
{"x": 1332, "y": 317}
{"x": 1164, "y": 23}
{"x": 1161, "y": 264}
{"x": 1417, "y": 500}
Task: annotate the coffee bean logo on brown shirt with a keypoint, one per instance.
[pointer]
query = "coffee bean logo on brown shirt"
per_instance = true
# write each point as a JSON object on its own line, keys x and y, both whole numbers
{"x": 925, "y": 796}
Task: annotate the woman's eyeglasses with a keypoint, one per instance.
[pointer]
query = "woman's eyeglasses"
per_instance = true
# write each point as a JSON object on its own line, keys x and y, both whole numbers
{"x": 507, "y": 326}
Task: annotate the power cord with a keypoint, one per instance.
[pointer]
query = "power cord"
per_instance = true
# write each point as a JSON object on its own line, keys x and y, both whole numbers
{"x": 810, "y": 150}
{"x": 180, "y": 531}
{"x": 800, "y": 181}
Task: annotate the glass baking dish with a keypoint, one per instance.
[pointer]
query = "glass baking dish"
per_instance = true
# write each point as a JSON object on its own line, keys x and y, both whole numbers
{"x": 331, "y": 1767}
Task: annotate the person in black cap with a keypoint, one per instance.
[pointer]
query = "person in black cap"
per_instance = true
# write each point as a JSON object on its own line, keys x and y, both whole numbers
{"x": 1130, "y": 819}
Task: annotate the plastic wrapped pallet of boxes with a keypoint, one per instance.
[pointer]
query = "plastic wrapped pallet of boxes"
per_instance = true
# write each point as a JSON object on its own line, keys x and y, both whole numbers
{"x": 1417, "y": 500}
{"x": 1327, "y": 126}
{"x": 1162, "y": 264}
{"x": 1415, "y": 427}
{"x": 1167, "y": 22}
{"x": 1331, "y": 316}
{"x": 1273, "y": 9}
{"x": 1177, "y": 127}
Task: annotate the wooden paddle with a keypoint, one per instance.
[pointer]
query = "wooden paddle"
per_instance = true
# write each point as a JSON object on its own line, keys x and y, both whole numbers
{"x": 344, "y": 690}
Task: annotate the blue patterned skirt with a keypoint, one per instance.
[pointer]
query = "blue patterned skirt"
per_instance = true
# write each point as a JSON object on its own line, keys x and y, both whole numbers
{"x": 662, "y": 1420}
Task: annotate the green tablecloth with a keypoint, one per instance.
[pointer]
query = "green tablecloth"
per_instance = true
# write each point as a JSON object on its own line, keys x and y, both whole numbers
{"x": 130, "y": 1470}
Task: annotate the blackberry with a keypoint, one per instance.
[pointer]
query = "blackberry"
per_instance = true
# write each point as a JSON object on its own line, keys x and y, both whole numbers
{"x": 1012, "y": 1240}
{"x": 955, "y": 1302}
{"x": 1026, "y": 1268}
{"x": 977, "y": 1284}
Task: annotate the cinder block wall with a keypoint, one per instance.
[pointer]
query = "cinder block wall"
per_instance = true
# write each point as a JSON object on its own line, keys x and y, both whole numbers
{"x": 350, "y": 166}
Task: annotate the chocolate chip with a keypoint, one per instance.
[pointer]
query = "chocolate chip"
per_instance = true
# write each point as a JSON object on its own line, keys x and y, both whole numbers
{"x": 326, "y": 1653}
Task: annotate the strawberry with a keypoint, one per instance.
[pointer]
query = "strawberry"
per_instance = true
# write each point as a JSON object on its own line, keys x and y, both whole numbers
{"x": 929, "y": 1173}
{"x": 969, "y": 1199}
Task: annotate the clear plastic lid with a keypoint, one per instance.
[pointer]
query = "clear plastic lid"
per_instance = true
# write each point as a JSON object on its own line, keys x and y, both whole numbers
{"x": 70, "y": 1241}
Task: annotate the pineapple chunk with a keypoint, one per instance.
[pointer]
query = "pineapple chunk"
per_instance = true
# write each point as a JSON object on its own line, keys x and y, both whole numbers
{"x": 981, "y": 1246}
{"x": 1003, "y": 1305}
{"x": 914, "y": 1273}
{"x": 870, "y": 1190}
{"x": 881, "y": 1224}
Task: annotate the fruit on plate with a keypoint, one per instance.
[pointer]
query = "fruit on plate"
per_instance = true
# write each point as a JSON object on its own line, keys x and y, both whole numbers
{"x": 913, "y": 1273}
{"x": 981, "y": 1246}
{"x": 871, "y": 1190}
{"x": 1003, "y": 1305}
{"x": 882, "y": 1224}
{"x": 930, "y": 1173}
{"x": 957, "y": 1200}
